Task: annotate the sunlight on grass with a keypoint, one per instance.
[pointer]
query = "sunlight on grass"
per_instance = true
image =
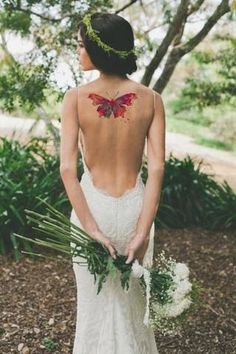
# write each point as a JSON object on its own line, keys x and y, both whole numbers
{"x": 177, "y": 125}
{"x": 213, "y": 143}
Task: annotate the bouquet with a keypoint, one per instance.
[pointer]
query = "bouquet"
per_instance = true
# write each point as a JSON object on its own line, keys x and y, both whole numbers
{"x": 167, "y": 287}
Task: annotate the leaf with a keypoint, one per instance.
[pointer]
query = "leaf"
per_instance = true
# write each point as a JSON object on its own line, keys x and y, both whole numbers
{"x": 111, "y": 267}
{"x": 125, "y": 279}
{"x": 101, "y": 280}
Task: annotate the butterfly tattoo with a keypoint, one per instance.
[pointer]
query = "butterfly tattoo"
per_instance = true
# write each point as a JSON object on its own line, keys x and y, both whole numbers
{"x": 117, "y": 106}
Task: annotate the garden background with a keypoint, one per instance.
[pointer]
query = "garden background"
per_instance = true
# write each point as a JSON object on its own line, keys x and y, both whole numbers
{"x": 188, "y": 54}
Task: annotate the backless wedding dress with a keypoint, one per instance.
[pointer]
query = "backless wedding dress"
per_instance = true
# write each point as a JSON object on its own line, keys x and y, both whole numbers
{"x": 112, "y": 321}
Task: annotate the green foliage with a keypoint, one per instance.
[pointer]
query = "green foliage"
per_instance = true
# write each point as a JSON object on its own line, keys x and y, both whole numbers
{"x": 201, "y": 90}
{"x": 193, "y": 198}
{"x": 18, "y": 83}
{"x": 49, "y": 343}
{"x": 208, "y": 126}
{"x": 224, "y": 127}
{"x": 193, "y": 115}
{"x": 221, "y": 208}
{"x": 51, "y": 26}
{"x": 26, "y": 172}
{"x": 17, "y": 21}
{"x": 183, "y": 190}
{"x": 94, "y": 37}
{"x": 213, "y": 143}
{"x": 201, "y": 93}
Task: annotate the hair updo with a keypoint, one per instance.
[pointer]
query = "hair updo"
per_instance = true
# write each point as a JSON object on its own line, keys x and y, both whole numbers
{"x": 116, "y": 32}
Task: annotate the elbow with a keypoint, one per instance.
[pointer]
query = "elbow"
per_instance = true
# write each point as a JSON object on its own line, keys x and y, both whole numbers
{"x": 157, "y": 169}
{"x": 62, "y": 170}
{"x": 67, "y": 172}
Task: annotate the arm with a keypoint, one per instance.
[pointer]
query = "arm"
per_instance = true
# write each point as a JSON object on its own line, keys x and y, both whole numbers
{"x": 137, "y": 246}
{"x": 68, "y": 161}
{"x": 68, "y": 169}
{"x": 156, "y": 165}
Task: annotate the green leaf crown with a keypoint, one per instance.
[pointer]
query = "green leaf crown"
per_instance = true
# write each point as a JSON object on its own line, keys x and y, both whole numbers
{"x": 92, "y": 34}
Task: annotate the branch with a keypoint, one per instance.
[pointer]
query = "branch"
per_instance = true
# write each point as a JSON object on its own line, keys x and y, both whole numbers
{"x": 30, "y": 12}
{"x": 156, "y": 26}
{"x": 172, "y": 60}
{"x": 221, "y": 10}
{"x": 126, "y": 6}
{"x": 180, "y": 50}
{"x": 195, "y": 7}
{"x": 173, "y": 29}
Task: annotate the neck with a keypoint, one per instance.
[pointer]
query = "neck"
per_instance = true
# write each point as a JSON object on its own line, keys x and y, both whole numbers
{"x": 112, "y": 77}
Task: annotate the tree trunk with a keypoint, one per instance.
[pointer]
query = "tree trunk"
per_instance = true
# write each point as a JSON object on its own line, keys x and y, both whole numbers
{"x": 178, "y": 52}
{"x": 173, "y": 29}
{"x": 173, "y": 59}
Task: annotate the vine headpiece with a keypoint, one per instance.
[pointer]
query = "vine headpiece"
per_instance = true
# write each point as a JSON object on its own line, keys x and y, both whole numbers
{"x": 92, "y": 34}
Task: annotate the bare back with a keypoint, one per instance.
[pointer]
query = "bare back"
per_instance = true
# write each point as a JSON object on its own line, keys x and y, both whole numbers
{"x": 114, "y": 121}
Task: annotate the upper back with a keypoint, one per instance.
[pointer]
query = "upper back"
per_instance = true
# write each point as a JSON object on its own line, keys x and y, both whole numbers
{"x": 114, "y": 121}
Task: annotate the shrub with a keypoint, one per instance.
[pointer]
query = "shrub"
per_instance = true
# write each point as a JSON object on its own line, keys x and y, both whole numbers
{"x": 27, "y": 171}
{"x": 189, "y": 197}
{"x": 192, "y": 198}
{"x": 224, "y": 128}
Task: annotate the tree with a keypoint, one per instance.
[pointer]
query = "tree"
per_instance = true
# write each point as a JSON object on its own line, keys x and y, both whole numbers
{"x": 201, "y": 92}
{"x": 173, "y": 44}
{"x": 27, "y": 80}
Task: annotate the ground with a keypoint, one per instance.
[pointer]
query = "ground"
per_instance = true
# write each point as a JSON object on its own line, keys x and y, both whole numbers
{"x": 38, "y": 298}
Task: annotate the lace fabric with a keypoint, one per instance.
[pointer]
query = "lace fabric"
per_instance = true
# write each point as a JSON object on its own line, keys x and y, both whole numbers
{"x": 112, "y": 321}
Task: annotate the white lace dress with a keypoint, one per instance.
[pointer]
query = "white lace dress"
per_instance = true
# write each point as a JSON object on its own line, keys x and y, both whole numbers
{"x": 112, "y": 321}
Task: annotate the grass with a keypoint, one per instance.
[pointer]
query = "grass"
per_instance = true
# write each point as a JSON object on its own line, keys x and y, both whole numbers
{"x": 183, "y": 126}
{"x": 213, "y": 143}
{"x": 199, "y": 125}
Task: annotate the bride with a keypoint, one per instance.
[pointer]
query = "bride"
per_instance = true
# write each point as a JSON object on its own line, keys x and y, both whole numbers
{"x": 112, "y": 117}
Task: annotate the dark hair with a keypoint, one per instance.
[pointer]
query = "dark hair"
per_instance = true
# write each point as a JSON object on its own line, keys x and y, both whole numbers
{"x": 115, "y": 31}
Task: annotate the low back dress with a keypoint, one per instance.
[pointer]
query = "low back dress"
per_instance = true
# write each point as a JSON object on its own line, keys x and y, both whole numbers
{"x": 112, "y": 321}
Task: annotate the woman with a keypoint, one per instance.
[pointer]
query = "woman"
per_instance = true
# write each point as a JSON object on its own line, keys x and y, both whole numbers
{"x": 112, "y": 117}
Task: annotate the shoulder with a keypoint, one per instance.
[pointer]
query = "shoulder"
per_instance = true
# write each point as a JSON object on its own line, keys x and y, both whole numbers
{"x": 70, "y": 96}
{"x": 158, "y": 99}
{"x": 148, "y": 91}
{"x": 154, "y": 98}
{"x": 79, "y": 92}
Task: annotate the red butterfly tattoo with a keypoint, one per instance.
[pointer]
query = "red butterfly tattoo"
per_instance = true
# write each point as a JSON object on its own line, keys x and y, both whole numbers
{"x": 116, "y": 106}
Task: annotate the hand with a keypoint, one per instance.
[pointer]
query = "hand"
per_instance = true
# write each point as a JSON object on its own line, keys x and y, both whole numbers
{"x": 99, "y": 236}
{"x": 136, "y": 248}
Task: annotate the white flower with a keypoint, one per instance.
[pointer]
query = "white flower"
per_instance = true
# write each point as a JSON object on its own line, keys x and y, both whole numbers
{"x": 147, "y": 279}
{"x": 137, "y": 269}
{"x": 183, "y": 288}
{"x": 159, "y": 309}
{"x": 181, "y": 271}
{"x": 174, "y": 310}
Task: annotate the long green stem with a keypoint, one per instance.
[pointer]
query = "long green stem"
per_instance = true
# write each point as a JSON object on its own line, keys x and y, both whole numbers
{"x": 61, "y": 226}
{"x": 61, "y": 217}
{"x": 42, "y": 243}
